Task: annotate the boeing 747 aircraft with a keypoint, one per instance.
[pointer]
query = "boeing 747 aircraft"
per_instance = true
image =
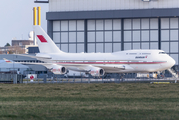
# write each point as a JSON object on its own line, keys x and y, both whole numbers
{"x": 97, "y": 64}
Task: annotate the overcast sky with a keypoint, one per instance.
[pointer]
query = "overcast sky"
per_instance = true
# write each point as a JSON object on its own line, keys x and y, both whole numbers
{"x": 16, "y": 19}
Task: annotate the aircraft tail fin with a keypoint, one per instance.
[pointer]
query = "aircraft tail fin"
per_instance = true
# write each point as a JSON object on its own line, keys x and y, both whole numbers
{"x": 6, "y": 60}
{"x": 45, "y": 43}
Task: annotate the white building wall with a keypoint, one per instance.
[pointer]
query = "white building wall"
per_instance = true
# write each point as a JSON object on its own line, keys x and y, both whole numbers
{"x": 88, "y": 5}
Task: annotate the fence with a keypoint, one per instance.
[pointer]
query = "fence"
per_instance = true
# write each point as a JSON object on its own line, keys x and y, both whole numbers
{"x": 115, "y": 78}
{"x": 105, "y": 79}
{"x": 11, "y": 78}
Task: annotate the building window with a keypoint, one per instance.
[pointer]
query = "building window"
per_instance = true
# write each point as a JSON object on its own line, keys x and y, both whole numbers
{"x": 140, "y": 33}
{"x": 68, "y": 34}
{"x": 103, "y": 33}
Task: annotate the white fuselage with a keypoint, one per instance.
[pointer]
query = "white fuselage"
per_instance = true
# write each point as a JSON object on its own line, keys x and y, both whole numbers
{"x": 118, "y": 62}
{"x": 97, "y": 64}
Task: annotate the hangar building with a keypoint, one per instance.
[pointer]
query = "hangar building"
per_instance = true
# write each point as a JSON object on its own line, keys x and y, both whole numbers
{"x": 114, "y": 25}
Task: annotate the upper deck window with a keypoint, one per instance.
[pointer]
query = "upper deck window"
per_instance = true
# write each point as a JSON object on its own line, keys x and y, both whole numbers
{"x": 146, "y": 53}
{"x": 132, "y": 53}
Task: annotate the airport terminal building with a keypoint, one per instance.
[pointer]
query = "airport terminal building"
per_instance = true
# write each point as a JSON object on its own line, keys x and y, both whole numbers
{"x": 114, "y": 25}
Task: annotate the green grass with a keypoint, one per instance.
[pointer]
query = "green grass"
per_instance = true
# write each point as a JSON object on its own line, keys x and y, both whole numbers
{"x": 124, "y": 101}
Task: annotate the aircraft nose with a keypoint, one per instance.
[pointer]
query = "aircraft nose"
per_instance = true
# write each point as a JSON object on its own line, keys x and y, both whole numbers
{"x": 172, "y": 62}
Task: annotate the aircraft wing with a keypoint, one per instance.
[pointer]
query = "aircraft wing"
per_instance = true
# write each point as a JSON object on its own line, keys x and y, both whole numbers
{"x": 45, "y": 58}
{"x": 47, "y": 65}
{"x": 94, "y": 70}
{"x": 80, "y": 67}
{"x": 97, "y": 70}
{"x": 87, "y": 67}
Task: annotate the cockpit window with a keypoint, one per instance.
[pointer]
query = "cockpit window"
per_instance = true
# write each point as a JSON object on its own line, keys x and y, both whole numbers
{"x": 162, "y": 53}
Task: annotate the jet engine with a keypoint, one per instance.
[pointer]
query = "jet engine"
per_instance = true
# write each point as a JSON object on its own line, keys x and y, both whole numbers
{"x": 57, "y": 69}
{"x": 97, "y": 71}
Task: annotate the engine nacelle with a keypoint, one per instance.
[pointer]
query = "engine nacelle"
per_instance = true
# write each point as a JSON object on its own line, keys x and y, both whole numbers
{"x": 57, "y": 69}
{"x": 97, "y": 72}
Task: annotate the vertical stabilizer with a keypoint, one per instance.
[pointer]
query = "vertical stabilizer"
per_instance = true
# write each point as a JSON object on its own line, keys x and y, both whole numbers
{"x": 45, "y": 43}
